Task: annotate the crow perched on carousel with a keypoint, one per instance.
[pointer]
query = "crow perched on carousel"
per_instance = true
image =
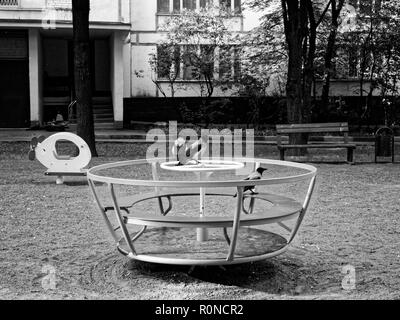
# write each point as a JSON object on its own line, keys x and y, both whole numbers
{"x": 256, "y": 175}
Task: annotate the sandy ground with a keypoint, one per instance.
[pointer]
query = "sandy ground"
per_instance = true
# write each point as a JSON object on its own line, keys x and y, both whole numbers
{"x": 54, "y": 232}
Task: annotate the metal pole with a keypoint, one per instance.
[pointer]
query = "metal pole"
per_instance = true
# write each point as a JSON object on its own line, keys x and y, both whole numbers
{"x": 236, "y": 224}
{"x": 120, "y": 220}
{"x": 202, "y": 233}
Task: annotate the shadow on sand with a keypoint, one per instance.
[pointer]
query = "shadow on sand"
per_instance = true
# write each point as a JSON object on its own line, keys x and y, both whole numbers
{"x": 274, "y": 276}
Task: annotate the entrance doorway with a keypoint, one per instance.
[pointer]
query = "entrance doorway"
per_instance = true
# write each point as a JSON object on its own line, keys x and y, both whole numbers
{"x": 14, "y": 80}
{"x": 58, "y": 77}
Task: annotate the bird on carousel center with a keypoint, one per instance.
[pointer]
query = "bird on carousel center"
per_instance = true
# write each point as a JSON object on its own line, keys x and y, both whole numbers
{"x": 189, "y": 154}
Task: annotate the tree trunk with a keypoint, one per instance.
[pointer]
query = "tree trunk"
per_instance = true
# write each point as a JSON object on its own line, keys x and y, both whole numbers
{"x": 309, "y": 63}
{"x": 328, "y": 67}
{"x": 366, "y": 50}
{"x": 330, "y": 51}
{"x": 83, "y": 88}
{"x": 295, "y": 23}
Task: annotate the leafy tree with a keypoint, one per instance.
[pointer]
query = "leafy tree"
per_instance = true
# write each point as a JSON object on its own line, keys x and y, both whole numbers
{"x": 166, "y": 65}
{"x": 185, "y": 58}
{"x": 300, "y": 20}
{"x": 191, "y": 39}
{"x": 263, "y": 59}
{"x": 374, "y": 38}
{"x": 311, "y": 40}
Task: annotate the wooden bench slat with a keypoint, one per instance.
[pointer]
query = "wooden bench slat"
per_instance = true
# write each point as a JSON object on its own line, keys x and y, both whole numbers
{"x": 324, "y": 145}
{"x": 312, "y": 130}
{"x": 312, "y": 125}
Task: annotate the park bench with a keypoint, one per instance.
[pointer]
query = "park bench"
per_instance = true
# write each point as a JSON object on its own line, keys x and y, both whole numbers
{"x": 335, "y": 127}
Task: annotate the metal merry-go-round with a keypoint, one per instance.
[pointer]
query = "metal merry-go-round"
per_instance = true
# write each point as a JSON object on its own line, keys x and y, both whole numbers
{"x": 162, "y": 236}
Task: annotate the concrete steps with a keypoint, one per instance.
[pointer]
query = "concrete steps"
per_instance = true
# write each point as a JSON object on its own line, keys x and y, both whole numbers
{"x": 103, "y": 113}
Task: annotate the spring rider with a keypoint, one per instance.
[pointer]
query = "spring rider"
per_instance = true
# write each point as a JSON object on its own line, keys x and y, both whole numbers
{"x": 45, "y": 151}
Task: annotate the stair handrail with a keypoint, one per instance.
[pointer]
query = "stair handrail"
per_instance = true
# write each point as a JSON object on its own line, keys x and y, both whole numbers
{"x": 70, "y": 109}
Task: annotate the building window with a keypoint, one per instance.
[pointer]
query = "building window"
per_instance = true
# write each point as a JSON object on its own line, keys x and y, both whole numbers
{"x": 176, "y": 6}
{"x": 225, "y": 63}
{"x": 184, "y": 4}
{"x": 348, "y": 62}
{"x": 168, "y": 62}
{"x": 163, "y": 6}
{"x": 191, "y": 62}
{"x": 198, "y": 62}
{"x": 231, "y": 5}
{"x": 189, "y": 4}
{"x": 366, "y": 7}
{"x": 229, "y": 63}
{"x": 207, "y": 66}
{"x": 189, "y": 69}
{"x": 13, "y": 45}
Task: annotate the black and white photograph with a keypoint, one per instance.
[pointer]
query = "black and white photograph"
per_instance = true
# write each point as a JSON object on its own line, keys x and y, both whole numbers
{"x": 219, "y": 152}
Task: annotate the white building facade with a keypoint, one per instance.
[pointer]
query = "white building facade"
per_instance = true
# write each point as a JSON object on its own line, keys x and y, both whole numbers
{"x": 36, "y": 56}
{"x": 36, "y": 60}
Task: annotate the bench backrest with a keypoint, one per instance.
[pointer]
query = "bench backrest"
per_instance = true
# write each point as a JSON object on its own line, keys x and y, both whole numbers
{"x": 341, "y": 127}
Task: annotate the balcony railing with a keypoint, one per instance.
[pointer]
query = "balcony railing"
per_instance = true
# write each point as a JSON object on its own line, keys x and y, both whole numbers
{"x": 56, "y": 4}
{"x": 9, "y": 3}
{"x": 111, "y": 11}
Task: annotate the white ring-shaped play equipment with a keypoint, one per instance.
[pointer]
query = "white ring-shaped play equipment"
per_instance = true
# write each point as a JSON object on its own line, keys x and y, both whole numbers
{"x": 175, "y": 244}
{"x": 203, "y": 166}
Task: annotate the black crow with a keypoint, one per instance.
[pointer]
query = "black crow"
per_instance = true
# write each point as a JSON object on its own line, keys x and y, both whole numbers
{"x": 256, "y": 175}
